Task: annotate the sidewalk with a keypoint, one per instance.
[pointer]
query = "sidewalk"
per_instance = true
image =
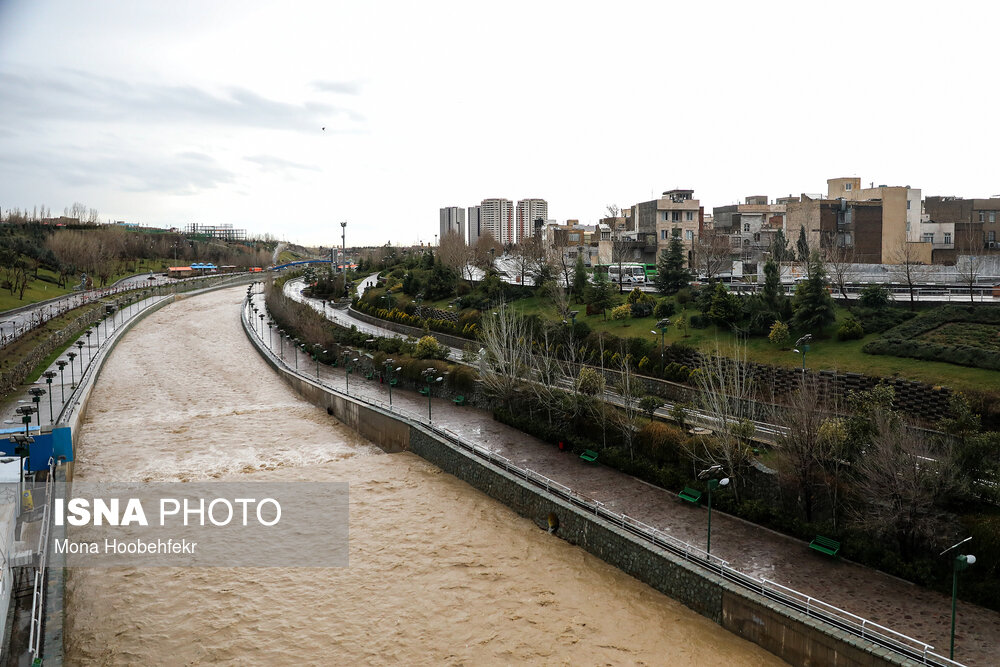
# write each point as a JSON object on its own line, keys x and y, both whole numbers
{"x": 894, "y": 603}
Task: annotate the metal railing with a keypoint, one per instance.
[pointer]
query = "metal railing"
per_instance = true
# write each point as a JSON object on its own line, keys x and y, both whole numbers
{"x": 897, "y": 642}
{"x": 38, "y": 588}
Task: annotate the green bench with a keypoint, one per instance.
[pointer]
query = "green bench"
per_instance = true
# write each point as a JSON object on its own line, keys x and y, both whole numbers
{"x": 690, "y": 495}
{"x": 424, "y": 390}
{"x": 590, "y": 456}
{"x": 458, "y": 400}
{"x": 369, "y": 375}
{"x": 825, "y": 545}
{"x": 393, "y": 382}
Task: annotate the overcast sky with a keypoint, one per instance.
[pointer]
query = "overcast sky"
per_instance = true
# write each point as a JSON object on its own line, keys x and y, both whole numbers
{"x": 170, "y": 112}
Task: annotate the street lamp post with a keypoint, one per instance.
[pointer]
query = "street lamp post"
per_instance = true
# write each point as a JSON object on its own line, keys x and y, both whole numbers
{"x": 348, "y": 369}
{"x": 72, "y": 372}
{"x": 79, "y": 346}
{"x": 801, "y": 347}
{"x": 36, "y": 398}
{"x": 270, "y": 337}
{"x": 62, "y": 383}
{"x": 90, "y": 353}
{"x": 961, "y": 563}
{"x": 49, "y": 375}
{"x": 390, "y": 376}
{"x": 261, "y": 317}
{"x": 662, "y": 326}
{"x": 712, "y": 474}
{"x": 429, "y": 378}
{"x": 296, "y": 347}
{"x": 316, "y": 357}
{"x": 26, "y": 411}
{"x": 343, "y": 241}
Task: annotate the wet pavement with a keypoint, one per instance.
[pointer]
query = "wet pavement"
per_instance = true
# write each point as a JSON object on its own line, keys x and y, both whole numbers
{"x": 904, "y": 607}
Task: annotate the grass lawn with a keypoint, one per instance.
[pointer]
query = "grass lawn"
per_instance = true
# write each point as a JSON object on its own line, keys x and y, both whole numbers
{"x": 16, "y": 351}
{"x": 45, "y": 286}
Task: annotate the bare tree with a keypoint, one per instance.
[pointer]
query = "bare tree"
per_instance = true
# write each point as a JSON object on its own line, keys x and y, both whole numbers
{"x": 800, "y": 447}
{"x": 484, "y": 251}
{"x": 908, "y": 268}
{"x": 631, "y": 390}
{"x": 505, "y": 360}
{"x": 840, "y": 261}
{"x": 970, "y": 266}
{"x": 726, "y": 390}
{"x": 898, "y": 480}
{"x": 712, "y": 254}
{"x": 455, "y": 254}
{"x": 620, "y": 244}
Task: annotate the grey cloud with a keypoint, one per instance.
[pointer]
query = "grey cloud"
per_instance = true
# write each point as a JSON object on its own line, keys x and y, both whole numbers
{"x": 342, "y": 87}
{"x": 73, "y": 95}
{"x": 272, "y": 163}
{"x": 180, "y": 174}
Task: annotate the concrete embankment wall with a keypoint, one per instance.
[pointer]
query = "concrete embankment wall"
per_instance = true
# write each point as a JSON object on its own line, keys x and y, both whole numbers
{"x": 791, "y": 636}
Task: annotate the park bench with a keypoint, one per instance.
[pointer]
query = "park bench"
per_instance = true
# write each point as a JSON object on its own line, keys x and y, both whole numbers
{"x": 690, "y": 495}
{"x": 424, "y": 390}
{"x": 393, "y": 382}
{"x": 589, "y": 456}
{"x": 458, "y": 400}
{"x": 825, "y": 545}
{"x": 369, "y": 375}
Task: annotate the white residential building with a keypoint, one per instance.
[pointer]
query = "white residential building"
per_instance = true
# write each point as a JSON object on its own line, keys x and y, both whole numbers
{"x": 497, "y": 218}
{"x": 529, "y": 210}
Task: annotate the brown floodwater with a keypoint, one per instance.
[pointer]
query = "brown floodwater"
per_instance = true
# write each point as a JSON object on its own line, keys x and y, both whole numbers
{"x": 439, "y": 573}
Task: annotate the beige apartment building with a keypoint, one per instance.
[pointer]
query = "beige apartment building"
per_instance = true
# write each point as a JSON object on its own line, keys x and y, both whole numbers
{"x": 675, "y": 210}
{"x": 901, "y": 209}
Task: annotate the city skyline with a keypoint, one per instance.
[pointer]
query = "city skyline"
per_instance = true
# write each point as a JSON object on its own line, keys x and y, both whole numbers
{"x": 288, "y": 122}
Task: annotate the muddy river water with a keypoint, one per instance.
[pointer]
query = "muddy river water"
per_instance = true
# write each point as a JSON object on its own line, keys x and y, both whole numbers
{"x": 439, "y": 573}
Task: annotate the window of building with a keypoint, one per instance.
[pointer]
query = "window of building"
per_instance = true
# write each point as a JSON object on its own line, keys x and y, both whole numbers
{"x": 907, "y": 204}
{"x": 993, "y": 216}
{"x": 676, "y": 216}
{"x": 848, "y": 186}
{"x": 928, "y": 237}
{"x": 982, "y": 217}
{"x": 689, "y": 235}
{"x": 746, "y": 226}
{"x": 947, "y": 237}
{"x": 756, "y": 237}
{"x": 689, "y": 216}
{"x": 663, "y": 235}
{"x": 666, "y": 216}
{"x": 991, "y": 236}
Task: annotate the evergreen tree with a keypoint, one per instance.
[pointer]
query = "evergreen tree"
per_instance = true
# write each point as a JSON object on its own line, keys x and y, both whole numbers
{"x": 600, "y": 293}
{"x": 813, "y": 303}
{"x": 726, "y": 308}
{"x": 671, "y": 274}
{"x": 802, "y": 245}
{"x": 774, "y": 295}
{"x": 779, "y": 249}
{"x": 579, "y": 279}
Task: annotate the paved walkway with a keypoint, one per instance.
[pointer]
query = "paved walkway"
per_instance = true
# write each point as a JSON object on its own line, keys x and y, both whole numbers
{"x": 920, "y": 613}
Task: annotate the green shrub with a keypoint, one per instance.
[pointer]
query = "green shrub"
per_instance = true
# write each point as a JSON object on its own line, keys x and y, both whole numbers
{"x": 779, "y": 334}
{"x": 664, "y": 308}
{"x": 874, "y": 296}
{"x": 640, "y": 309}
{"x": 851, "y": 329}
{"x": 622, "y": 312}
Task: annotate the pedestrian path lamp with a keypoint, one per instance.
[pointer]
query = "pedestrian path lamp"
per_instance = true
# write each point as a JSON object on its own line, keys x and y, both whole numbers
{"x": 62, "y": 382}
{"x": 79, "y": 346}
{"x": 348, "y": 369}
{"x": 801, "y": 347}
{"x": 662, "y": 326}
{"x": 36, "y": 398}
{"x": 90, "y": 354}
{"x": 26, "y": 411}
{"x": 390, "y": 376}
{"x": 316, "y": 358}
{"x": 49, "y": 376}
{"x": 961, "y": 563}
{"x": 296, "y": 347}
{"x": 270, "y": 338}
{"x": 429, "y": 378}
{"x": 261, "y": 317}
{"x": 72, "y": 372}
{"x": 714, "y": 482}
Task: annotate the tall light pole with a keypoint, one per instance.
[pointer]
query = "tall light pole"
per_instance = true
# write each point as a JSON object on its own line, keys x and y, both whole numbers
{"x": 801, "y": 347}
{"x": 79, "y": 346}
{"x": 662, "y": 326}
{"x": 348, "y": 369}
{"x": 714, "y": 482}
{"x": 390, "y": 376}
{"x": 62, "y": 382}
{"x": 959, "y": 564}
{"x": 429, "y": 378}
{"x": 72, "y": 372}
{"x": 49, "y": 375}
{"x": 270, "y": 337}
{"x": 343, "y": 242}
